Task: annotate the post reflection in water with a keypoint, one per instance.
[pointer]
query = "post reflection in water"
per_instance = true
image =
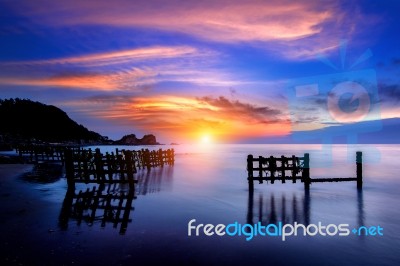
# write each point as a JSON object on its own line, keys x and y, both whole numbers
{"x": 154, "y": 180}
{"x": 97, "y": 205}
{"x": 271, "y": 209}
{"x": 360, "y": 208}
{"x": 113, "y": 203}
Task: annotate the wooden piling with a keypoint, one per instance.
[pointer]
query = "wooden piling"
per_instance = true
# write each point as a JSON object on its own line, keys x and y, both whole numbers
{"x": 294, "y": 168}
{"x": 87, "y": 167}
{"x": 306, "y": 171}
{"x": 130, "y": 167}
{"x": 272, "y": 167}
{"x": 283, "y": 171}
{"x": 250, "y": 172}
{"x": 359, "y": 169}
{"x": 260, "y": 168}
{"x": 69, "y": 169}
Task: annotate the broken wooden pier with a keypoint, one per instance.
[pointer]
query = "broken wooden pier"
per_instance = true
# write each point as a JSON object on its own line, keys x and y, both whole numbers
{"x": 292, "y": 169}
{"x": 86, "y": 166}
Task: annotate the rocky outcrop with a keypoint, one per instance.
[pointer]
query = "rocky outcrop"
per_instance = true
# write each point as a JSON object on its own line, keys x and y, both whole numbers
{"x": 133, "y": 140}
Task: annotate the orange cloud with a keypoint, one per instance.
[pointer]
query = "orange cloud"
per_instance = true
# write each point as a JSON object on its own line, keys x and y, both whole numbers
{"x": 81, "y": 81}
{"x": 114, "y": 70}
{"x": 117, "y": 57}
{"x": 180, "y": 118}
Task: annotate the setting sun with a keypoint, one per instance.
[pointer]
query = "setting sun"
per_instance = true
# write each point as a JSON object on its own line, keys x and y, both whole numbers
{"x": 205, "y": 139}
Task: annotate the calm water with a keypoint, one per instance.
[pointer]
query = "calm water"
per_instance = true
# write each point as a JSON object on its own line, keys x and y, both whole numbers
{"x": 209, "y": 183}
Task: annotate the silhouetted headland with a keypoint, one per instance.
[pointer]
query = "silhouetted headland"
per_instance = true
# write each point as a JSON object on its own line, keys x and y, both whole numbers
{"x": 28, "y": 122}
{"x": 24, "y": 120}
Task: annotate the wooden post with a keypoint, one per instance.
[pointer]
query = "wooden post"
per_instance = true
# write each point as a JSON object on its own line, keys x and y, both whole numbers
{"x": 359, "y": 169}
{"x": 147, "y": 159}
{"x": 160, "y": 157}
{"x": 306, "y": 171}
{"x": 129, "y": 168}
{"x": 98, "y": 160}
{"x": 250, "y": 172}
{"x": 294, "y": 168}
{"x": 283, "y": 169}
{"x": 110, "y": 165}
{"x": 69, "y": 169}
{"x": 272, "y": 168}
{"x": 260, "y": 169}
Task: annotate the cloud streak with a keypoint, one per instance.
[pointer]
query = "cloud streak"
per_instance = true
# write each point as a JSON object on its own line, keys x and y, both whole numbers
{"x": 117, "y": 57}
{"x": 130, "y": 69}
{"x": 303, "y": 28}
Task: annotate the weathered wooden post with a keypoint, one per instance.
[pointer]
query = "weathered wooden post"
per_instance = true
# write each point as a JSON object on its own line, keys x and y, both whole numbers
{"x": 147, "y": 159}
{"x": 359, "y": 169}
{"x": 129, "y": 168}
{"x": 306, "y": 171}
{"x": 272, "y": 168}
{"x": 250, "y": 172}
{"x": 283, "y": 169}
{"x": 98, "y": 160}
{"x": 160, "y": 157}
{"x": 69, "y": 169}
{"x": 260, "y": 168}
{"x": 294, "y": 167}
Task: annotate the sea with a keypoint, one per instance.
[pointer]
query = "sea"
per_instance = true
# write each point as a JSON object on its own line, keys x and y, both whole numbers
{"x": 208, "y": 185}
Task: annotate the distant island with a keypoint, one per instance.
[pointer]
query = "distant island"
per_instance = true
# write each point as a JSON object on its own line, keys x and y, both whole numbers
{"x": 26, "y": 121}
{"x": 133, "y": 140}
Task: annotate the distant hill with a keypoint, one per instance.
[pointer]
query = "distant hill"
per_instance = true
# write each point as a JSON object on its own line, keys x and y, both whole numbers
{"x": 22, "y": 119}
{"x": 133, "y": 140}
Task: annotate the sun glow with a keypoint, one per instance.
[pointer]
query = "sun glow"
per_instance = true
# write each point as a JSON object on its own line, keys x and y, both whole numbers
{"x": 206, "y": 139}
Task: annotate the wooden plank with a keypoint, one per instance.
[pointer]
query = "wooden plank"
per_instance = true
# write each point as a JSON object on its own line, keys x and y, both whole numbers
{"x": 339, "y": 179}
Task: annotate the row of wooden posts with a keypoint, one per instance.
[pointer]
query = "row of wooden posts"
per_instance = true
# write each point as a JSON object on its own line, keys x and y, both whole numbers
{"x": 292, "y": 169}
{"x": 34, "y": 153}
{"x": 87, "y": 166}
{"x": 109, "y": 202}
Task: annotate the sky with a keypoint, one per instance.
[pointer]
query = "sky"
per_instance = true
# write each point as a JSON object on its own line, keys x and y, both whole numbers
{"x": 226, "y": 71}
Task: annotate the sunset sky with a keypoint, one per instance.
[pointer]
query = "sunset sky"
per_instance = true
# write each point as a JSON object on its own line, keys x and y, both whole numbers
{"x": 183, "y": 70}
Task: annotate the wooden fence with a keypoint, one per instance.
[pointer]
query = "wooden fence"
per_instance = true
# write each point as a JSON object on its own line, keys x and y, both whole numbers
{"x": 145, "y": 158}
{"x": 291, "y": 169}
{"x": 36, "y": 153}
{"x": 86, "y": 166}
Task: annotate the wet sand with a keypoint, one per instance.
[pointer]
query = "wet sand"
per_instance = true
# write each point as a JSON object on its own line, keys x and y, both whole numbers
{"x": 26, "y": 218}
